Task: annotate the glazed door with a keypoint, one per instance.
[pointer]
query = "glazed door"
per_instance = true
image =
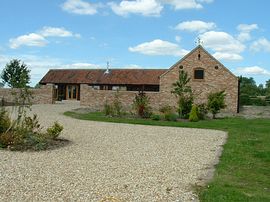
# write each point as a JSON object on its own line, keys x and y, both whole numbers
{"x": 72, "y": 92}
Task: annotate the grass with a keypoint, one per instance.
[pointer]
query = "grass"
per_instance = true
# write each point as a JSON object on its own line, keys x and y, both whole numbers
{"x": 243, "y": 173}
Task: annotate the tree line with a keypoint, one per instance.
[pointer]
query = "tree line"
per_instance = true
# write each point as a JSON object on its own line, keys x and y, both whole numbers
{"x": 251, "y": 94}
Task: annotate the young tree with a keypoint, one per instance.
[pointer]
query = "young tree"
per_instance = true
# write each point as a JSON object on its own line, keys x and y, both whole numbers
{"x": 15, "y": 74}
{"x": 183, "y": 92}
{"x": 216, "y": 102}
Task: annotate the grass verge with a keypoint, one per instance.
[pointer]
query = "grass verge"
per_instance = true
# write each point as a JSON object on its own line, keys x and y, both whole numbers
{"x": 243, "y": 172}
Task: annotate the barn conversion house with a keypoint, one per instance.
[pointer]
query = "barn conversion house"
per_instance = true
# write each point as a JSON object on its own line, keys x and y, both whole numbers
{"x": 94, "y": 87}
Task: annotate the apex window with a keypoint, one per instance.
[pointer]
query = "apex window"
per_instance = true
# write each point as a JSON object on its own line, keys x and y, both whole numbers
{"x": 198, "y": 74}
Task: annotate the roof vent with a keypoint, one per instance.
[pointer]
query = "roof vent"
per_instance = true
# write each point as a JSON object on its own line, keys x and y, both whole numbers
{"x": 107, "y": 70}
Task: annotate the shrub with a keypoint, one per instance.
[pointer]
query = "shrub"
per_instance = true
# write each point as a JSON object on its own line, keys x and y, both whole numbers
{"x": 166, "y": 109}
{"x": 171, "y": 117}
{"x": 216, "y": 102}
{"x": 244, "y": 99}
{"x": 108, "y": 109}
{"x": 117, "y": 105}
{"x": 185, "y": 105}
{"x": 202, "y": 111}
{"x": 155, "y": 117}
{"x": 193, "y": 116}
{"x": 258, "y": 102}
{"x": 4, "y": 120}
{"x": 141, "y": 105}
{"x": 54, "y": 131}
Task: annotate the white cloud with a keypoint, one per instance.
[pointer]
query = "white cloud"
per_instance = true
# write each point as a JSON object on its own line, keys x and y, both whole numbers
{"x": 245, "y": 30}
{"x": 153, "y": 7}
{"x": 31, "y": 39}
{"x": 183, "y": 4}
{"x": 221, "y": 42}
{"x": 195, "y": 26}
{"x": 56, "y": 32}
{"x": 261, "y": 44}
{"x": 143, "y": 7}
{"x": 226, "y": 47}
{"x": 39, "y": 38}
{"x": 80, "y": 7}
{"x": 247, "y": 27}
{"x": 254, "y": 70}
{"x": 159, "y": 47}
{"x": 227, "y": 56}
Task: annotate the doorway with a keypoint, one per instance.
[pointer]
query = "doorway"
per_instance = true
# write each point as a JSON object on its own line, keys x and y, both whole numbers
{"x": 72, "y": 92}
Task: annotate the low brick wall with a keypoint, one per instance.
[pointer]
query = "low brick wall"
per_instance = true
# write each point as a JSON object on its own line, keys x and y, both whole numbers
{"x": 43, "y": 95}
{"x": 96, "y": 99}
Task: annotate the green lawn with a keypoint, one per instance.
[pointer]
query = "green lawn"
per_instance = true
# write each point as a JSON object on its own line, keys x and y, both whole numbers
{"x": 243, "y": 173}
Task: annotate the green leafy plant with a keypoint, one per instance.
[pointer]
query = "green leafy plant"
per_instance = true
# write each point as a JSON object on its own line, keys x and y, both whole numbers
{"x": 202, "y": 111}
{"x": 166, "y": 109}
{"x": 155, "y": 117}
{"x": 216, "y": 102}
{"x": 171, "y": 117}
{"x": 4, "y": 120}
{"x": 24, "y": 132}
{"x": 117, "y": 105}
{"x": 15, "y": 74}
{"x": 54, "y": 131}
{"x": 183, "y": 92}
{"x": 141, "y": 105}
{"x": 193, "y": 116}
{"x": 108, "y": 109}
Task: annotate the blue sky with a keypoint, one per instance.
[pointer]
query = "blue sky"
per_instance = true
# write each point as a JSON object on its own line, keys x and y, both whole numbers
{"x": 134, "y": 34}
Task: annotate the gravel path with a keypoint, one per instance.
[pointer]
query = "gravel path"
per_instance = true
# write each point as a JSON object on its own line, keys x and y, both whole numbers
{"x": 110, "y": 162}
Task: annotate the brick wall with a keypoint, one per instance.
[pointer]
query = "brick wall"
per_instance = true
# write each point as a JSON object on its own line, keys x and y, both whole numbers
{"x": 43, "y": 95}
{"x": 214, "y": 80}
{"x": 95, "y": 99}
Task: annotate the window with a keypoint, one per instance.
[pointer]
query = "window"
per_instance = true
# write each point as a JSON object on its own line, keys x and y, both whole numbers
{"x": 198, "y": 74}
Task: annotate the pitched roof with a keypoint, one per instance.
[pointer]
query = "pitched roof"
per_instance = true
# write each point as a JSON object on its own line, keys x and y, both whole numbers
{"x": 98, "y": 76}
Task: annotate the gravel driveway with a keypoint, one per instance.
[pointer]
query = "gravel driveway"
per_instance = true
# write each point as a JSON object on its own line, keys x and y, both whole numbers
{"x": 110, "y": 162}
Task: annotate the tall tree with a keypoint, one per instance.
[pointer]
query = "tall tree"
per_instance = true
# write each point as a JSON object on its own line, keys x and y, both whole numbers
{"x": 16, "y": 74}
{"x": 248, "y": 86}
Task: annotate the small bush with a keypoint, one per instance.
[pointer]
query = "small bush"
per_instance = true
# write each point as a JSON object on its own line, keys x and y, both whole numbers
{"x": 216, "y": 102}
{"x": 258, "y": 102}
{"x": 108, "y": 109}
{"x": 244, "y": 99}
{"x": 171, "y": 117}
{"x": 4, "y": 120}
{"x": 6, "y": 139}
{"x": 155, "y": 117}
{"x": 193, "y": 116}
{"x": 184, "y": 106}
{"x": 54, "y": 131}
{"x": 141, "y": 105}
{"x": 166, "y": 109}
{"x": 202, "y": 111}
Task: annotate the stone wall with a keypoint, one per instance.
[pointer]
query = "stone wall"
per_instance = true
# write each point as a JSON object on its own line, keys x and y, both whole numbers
{"x": 95, "y": 99}
{"x": 43, "y": 95}
{"x": 215, "y": 79}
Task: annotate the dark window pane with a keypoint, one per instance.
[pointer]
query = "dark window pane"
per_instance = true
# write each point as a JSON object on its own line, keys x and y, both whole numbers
{"x": 199, "y": 74}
